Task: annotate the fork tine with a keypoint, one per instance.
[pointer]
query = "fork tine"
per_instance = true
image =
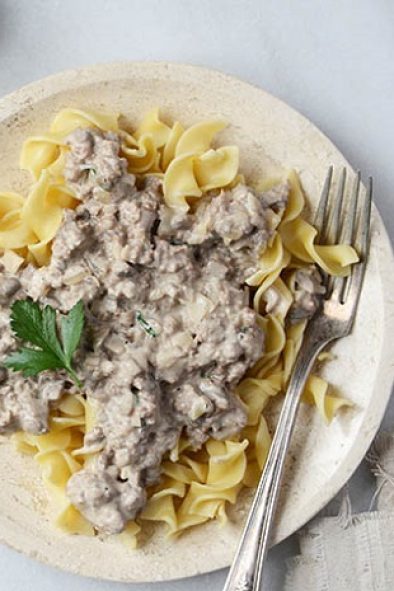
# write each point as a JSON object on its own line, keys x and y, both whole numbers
{"x": 362, "y": 238}
{"x": 321, "y": 215}
{"x": 332, "y": 234}
{"x": 347, "y": 232}
{"x": 361, "y": 244}
{"x": 341, "y": 284}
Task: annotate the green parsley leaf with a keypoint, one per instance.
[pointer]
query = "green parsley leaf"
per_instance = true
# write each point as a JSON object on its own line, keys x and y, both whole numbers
{"x": 31, "y": 362}
{"x": 71, "y": 327}
{"x": 38, "y": 327}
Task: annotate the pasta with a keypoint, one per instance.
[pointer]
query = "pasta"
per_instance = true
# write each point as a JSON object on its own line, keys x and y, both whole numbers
{"x": 54, "y": 453}
{"x": 196, "y": 486}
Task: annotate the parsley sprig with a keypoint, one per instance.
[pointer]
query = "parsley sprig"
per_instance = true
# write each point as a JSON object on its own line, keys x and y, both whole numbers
{"x": 38, "y": 327}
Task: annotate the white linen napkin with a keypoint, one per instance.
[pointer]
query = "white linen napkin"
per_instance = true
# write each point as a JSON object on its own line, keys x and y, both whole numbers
{"x": 351, "y": 552}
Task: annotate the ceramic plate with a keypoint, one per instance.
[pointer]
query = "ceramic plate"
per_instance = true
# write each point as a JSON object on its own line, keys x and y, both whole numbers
{"x": 271, "y": 136}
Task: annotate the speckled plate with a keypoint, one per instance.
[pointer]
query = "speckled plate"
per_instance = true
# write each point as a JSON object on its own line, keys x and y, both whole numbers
{"x": 271, "y": 135}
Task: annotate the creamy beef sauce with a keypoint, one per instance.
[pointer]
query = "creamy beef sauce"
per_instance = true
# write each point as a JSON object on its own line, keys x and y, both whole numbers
{"x": 169, "y": 329}
{"x": 308, "y": 290}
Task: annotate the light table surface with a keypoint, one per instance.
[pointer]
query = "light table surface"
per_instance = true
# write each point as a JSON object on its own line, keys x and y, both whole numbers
{"x": 331, "y": 60}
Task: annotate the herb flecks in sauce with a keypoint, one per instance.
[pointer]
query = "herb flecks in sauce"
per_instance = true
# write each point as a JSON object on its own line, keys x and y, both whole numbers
{"x": 148, "y": 328}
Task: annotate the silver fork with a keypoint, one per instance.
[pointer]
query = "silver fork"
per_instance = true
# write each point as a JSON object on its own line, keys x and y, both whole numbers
{"x": 335, "y": 222}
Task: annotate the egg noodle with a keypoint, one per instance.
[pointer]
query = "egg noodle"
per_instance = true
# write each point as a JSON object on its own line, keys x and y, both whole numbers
{"x": 196, "y": 485}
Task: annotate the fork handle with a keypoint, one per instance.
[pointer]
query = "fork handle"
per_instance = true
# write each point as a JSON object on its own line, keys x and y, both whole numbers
{"x": 247, "y": 569}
